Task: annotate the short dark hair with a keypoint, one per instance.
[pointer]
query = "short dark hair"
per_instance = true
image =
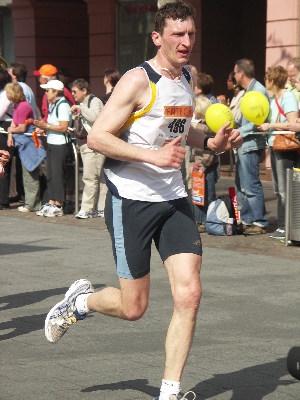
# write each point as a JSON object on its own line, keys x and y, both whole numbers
{"x": 232, "y": 77}
{"x": 64, "y": 71}
{"x": 205, "y": 82}
{"x": 4, "y": 78}
{"x": 113, "y": 76}
{"x": 177, "y": 10}
{"x": 19, "y": 70}
{"x": 278, "y": 74}
{"x": 81, "y": 84}
{"x": 246, "y": 66}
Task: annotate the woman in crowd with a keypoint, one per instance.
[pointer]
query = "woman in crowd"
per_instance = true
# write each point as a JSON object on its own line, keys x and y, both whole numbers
{"x": 20, "y": 136}
{"x": 235, "y": 102}
{"x": 111, "y": 78}
{"x": 206, "y": 162}
{"x": 284, "y": 111}
{"x": 234, "y": 106}
{"x": 204, "y": 87}
{"x": 6, "y": 112}
{"x": 58, "y": 147}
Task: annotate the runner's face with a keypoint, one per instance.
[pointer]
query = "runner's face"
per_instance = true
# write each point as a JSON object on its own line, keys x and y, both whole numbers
{"x": 177, "y": 41}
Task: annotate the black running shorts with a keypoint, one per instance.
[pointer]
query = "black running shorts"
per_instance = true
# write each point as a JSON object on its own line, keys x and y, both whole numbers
{"x": 133, "y": 224}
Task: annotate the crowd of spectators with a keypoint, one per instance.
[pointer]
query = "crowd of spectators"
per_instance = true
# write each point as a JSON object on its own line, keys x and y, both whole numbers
{"x": 69, "y": 109}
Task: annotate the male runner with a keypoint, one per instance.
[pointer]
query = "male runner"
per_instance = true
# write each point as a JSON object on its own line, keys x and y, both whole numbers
{"x": 142, "y": 131}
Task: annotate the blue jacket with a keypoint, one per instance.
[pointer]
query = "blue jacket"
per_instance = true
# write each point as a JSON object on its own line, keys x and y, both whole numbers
{"x": 253, "y": 142}
{"x": 30, "y": 156}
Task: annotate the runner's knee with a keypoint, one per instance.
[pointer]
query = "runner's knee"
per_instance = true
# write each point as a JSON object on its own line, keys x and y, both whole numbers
{"x": 188, "y": 298}
{"x": 134, "y": 312}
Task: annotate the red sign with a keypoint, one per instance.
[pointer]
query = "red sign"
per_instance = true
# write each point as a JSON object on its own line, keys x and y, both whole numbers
{"x": 141, "y": 9}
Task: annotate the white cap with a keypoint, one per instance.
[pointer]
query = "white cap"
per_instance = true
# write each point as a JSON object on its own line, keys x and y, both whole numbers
{"x": 53, "y": 84}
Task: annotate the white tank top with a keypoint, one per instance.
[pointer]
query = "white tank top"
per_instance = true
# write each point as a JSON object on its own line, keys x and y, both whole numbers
{"x": 167, "y": 115}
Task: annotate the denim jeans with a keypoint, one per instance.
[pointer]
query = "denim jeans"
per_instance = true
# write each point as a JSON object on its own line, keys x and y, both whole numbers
{"x": 211, "y": 177}
{"x": 280, "y": 162}
{"x": 253, "y": 209}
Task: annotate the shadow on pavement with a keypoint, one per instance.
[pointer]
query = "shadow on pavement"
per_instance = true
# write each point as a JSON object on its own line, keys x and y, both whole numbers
{"x": 28, "y": 323}
{"x": 140, "y": 385}
{"x": 27, "y": 298}
{"x": 7, "y": 248}
{"x": 253, "y": 383}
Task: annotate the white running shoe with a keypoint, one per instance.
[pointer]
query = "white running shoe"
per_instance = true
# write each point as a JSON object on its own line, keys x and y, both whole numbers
{"x": 83, "y": 215}
{"x": 64, "y": 314}
{"x": 43, "y": 209}
{"x": 23, "y": 209}
{"x": 54, "y": 211}
{"x": 98, "y": 214}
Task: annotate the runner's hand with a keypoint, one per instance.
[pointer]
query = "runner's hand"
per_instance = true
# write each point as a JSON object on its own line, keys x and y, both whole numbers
{"x": 225, "y": 137}
{"x": 170, "y": 155}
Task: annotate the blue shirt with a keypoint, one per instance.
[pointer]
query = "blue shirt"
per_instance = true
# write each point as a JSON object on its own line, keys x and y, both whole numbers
{"x": 288, "y": 103}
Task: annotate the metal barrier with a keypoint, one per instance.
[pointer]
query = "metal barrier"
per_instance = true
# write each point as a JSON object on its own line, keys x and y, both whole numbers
{"x": 292, "y": 207}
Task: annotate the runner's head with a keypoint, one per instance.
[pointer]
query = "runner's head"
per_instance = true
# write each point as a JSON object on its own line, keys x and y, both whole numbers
{"x": 179, "y": 10}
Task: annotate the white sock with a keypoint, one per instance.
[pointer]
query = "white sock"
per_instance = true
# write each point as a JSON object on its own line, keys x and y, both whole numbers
{"x": 168, "y": 388}
{"x": 80, "y": 303}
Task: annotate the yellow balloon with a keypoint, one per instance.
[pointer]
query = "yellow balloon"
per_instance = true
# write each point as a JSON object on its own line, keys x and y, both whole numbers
{"x": 217, "y": 115}
{"x": 255, "y": 107}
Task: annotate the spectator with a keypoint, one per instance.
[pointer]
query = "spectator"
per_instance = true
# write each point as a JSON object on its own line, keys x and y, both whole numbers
{"x": 18, "y": 73}
{"x": 58, "y": 147}
{"x": 20, "y": 136}
{"x": 234, "y": 103}
{"x": 204, "y": 86}
{"x": 293, "y": 70}
{"x": 284, "y": 111}
{"x": 206, "y": 162}
{"x": 234, "y": 106}
{"x": 86, "y": 111}
{"x": 46, "y": 73}
{"x": 6, "y": 112}
{"x": 253, "y": 213}
{"x": 111, "y": 78}
{"x": 64, "y": 76}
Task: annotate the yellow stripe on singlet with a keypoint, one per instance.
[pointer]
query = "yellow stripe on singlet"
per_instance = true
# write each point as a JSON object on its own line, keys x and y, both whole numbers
{"x": 138, "y": 114}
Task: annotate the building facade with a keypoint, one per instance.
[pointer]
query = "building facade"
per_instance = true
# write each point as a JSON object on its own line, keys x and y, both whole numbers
{"x": 87, "y": 36}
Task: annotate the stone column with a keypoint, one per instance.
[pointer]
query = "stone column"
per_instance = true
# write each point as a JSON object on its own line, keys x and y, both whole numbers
{"x": 53, "y": 32}
{"x": 283, "y": 25}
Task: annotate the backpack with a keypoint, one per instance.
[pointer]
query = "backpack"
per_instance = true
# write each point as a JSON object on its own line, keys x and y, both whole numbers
{"x": 79, "y": 130}
{"x": 218, "y": 213}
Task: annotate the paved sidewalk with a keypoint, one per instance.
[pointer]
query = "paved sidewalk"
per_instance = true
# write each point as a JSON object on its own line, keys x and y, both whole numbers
{"x": 248, "y": 319}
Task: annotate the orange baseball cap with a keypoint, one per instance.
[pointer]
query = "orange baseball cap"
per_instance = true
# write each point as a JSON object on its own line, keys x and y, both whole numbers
{"x": 46, "y": 69}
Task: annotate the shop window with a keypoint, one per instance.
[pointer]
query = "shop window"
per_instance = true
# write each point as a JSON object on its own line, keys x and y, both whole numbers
{"x": 6, "y": 36}
{"x": 135, "y": 22}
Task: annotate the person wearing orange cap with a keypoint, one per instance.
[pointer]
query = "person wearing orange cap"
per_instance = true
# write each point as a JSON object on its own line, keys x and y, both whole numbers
{"x": 46, "y": 73}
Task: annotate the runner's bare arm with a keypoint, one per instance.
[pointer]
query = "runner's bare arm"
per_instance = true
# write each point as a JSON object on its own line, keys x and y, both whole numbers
{"x": 130, "y": 94}
{"x": 223, "y": 140}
